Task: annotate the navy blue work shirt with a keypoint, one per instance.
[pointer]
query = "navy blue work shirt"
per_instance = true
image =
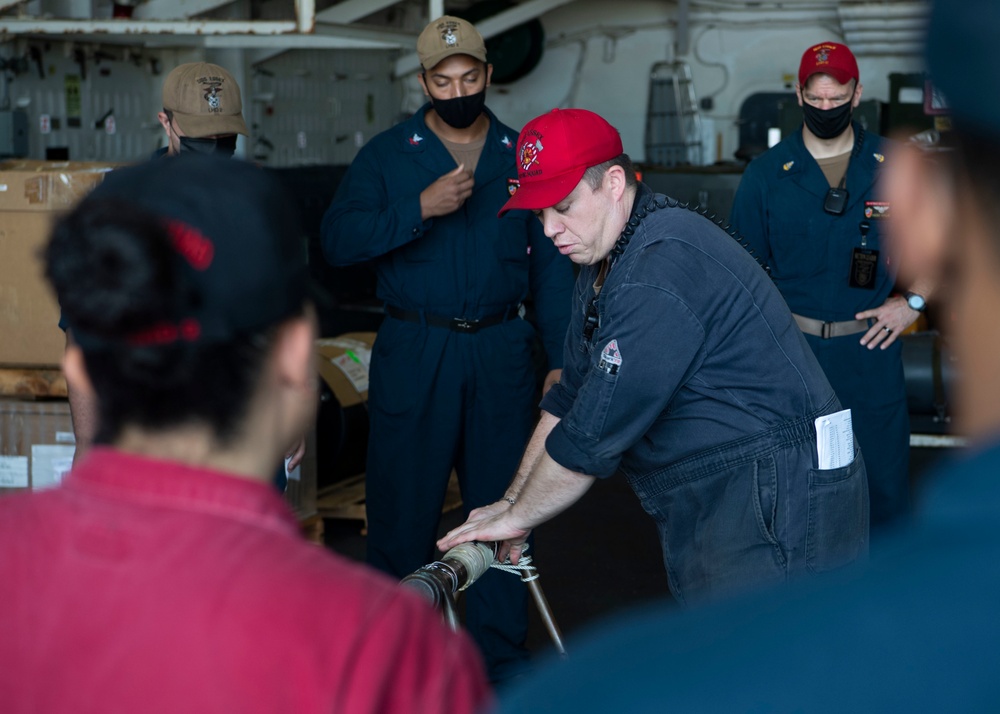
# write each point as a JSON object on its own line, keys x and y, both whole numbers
{"x": 778, "y": 210}
{"x": 469, "y": 263}
{"x": 695, "y": 348}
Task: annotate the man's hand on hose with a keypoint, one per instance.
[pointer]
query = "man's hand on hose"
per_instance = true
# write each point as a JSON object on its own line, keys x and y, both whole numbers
{"x": 490, "y": 523}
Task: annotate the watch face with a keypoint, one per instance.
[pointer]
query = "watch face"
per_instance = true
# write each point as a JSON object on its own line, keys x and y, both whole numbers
{"x": 916, "y": 302}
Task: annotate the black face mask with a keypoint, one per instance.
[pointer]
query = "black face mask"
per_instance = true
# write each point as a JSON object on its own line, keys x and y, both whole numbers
{"x": 827, "y": 123}
{"x": 460, "y": 112}
{"x": 223, "y": 146}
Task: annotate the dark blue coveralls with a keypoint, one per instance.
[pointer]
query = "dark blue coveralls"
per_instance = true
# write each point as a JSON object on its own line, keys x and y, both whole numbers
{"x": 778, "y": 209}
{"x": 699, "y": 387}
{"x": 446, "y": 397}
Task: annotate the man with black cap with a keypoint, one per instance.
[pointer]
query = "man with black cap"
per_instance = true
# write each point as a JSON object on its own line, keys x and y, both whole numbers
{"x": 916, "y": 629}
{"x": 685, "y": 372}
{"x": 809, "y": 208}
{"x": 452, "y": 375}
{"x": 165, "y": 574}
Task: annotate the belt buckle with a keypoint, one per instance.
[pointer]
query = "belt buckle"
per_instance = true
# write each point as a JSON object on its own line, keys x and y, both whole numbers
{"x": 827, "y": 330}
{"x": 460, "y": 324}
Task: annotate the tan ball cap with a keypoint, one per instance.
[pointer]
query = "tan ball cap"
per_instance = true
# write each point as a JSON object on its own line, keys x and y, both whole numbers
{"x": 449, "y": 36}
{"x": 205, "y": 100}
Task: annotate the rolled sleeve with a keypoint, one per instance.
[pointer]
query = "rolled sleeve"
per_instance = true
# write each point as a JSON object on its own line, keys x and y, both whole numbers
{"x": 648, "y": 345}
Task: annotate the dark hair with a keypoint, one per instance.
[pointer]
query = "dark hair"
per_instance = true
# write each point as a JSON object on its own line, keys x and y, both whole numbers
{"x": 114, "y": 271}
{"x": 595, "y": 174}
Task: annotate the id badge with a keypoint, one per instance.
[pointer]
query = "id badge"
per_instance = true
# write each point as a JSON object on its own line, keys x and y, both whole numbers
{"x": 864, "y": 268}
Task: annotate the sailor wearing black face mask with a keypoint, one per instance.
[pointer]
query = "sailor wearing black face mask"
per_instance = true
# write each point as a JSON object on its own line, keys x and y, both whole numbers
{"x": 452, "y": 384}
{"x": 202, "y": 111}
{"x": 808, "y": 207}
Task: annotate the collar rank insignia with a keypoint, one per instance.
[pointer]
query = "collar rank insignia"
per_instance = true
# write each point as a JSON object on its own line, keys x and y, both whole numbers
{"x": 415, "y": 139}
{"x": 879, "y": 157}
{"x": 789, "y": 165}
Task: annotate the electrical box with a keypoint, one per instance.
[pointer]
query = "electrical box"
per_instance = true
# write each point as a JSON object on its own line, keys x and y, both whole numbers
{"x": 13, "y": 134}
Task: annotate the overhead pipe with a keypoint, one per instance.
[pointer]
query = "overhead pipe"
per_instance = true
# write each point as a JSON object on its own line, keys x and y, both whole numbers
{"x": 305, "y": 12}
{"x": 36, "y": 26}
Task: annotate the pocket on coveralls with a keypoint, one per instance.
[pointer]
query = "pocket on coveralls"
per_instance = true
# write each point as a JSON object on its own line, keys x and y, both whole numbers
{"x": 838, "y": 516}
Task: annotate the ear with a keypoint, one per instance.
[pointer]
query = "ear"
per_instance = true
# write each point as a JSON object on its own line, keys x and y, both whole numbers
{"x": 422, "y": 78}
{"x": 614, "y": 180}
{"x": 164, "y": 122}
{"x": 75, "y": 370}
{"x": 857, "y": 95}
{"x": 798, "y": 93}
{"x": 489, "y": 73}
{"x": 294, "y": 353}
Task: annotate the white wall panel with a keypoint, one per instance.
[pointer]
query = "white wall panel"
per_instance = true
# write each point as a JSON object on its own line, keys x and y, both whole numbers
{"x": 131, "y": 89}
{"x": 320, "y": 106}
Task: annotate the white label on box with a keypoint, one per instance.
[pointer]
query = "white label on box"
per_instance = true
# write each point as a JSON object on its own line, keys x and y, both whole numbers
{"x": 61, "y": 467}
{"x": 49, "y": 464}
{"x": 354, "y": 369}
{"x": 65, "y": 437}
{"x": 13, "y": 471}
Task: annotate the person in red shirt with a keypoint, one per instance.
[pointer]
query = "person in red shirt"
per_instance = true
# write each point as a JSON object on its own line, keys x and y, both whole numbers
{"x": 165, "y": 574}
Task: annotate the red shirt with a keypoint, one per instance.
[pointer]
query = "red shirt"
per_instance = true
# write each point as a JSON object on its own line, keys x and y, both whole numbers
{"x": 149, "y": 586}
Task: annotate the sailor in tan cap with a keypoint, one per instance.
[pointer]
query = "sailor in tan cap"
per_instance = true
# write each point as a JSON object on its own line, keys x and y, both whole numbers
{"x": 202, "y": 110}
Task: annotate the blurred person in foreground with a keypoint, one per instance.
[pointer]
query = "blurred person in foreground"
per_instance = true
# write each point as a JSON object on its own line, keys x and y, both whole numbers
{"x": 165, "y": 574}
{"x": 916, "y": 629}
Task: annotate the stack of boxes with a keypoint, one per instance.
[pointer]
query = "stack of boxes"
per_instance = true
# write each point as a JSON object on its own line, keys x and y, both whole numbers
{"x": 36, "y": 434}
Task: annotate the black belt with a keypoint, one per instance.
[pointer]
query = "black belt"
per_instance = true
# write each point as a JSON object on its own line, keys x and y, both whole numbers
{"x": 455, "y": 324}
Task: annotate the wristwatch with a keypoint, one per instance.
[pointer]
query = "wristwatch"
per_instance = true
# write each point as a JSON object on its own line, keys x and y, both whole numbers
{"x": 916, "y": 302}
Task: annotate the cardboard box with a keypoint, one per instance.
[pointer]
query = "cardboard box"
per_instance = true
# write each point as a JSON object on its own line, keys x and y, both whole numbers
{"x": 343, "y": 365}
{"x": 32, "y": 195}
{"x": 36, "y": 444}
{"x": 28, "y": 185}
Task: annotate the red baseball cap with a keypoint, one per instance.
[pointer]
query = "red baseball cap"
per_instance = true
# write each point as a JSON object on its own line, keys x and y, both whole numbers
{"x": 830, "y": 58}
{"x": 553, "y": 152}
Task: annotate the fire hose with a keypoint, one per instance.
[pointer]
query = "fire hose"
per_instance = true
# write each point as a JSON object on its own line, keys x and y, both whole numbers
{"x": 440, "y": 582}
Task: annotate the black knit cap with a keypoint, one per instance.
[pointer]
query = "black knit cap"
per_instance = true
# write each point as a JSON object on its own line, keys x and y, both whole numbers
{"x": 237, "y": 245}
{"x": 963, "y": 56}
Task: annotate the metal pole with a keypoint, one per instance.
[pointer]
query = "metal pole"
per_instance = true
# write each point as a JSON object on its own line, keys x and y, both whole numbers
{"x": 546, "y": 612}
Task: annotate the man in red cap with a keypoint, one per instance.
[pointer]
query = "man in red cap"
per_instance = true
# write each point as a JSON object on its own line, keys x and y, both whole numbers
{"x": 808, "y": 207}
{"x": 683, "y": 370}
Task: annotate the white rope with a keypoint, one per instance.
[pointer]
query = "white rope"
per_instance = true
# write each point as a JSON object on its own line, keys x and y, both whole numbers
{"x": 524, "y": 568}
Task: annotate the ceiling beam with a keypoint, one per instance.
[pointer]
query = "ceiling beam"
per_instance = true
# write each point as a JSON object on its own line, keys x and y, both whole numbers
{"x": 348, "y": 11}
{"x": 179, "y": 28}
{"x": 386, "y": 38}
{"x": 175, "y": 9}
